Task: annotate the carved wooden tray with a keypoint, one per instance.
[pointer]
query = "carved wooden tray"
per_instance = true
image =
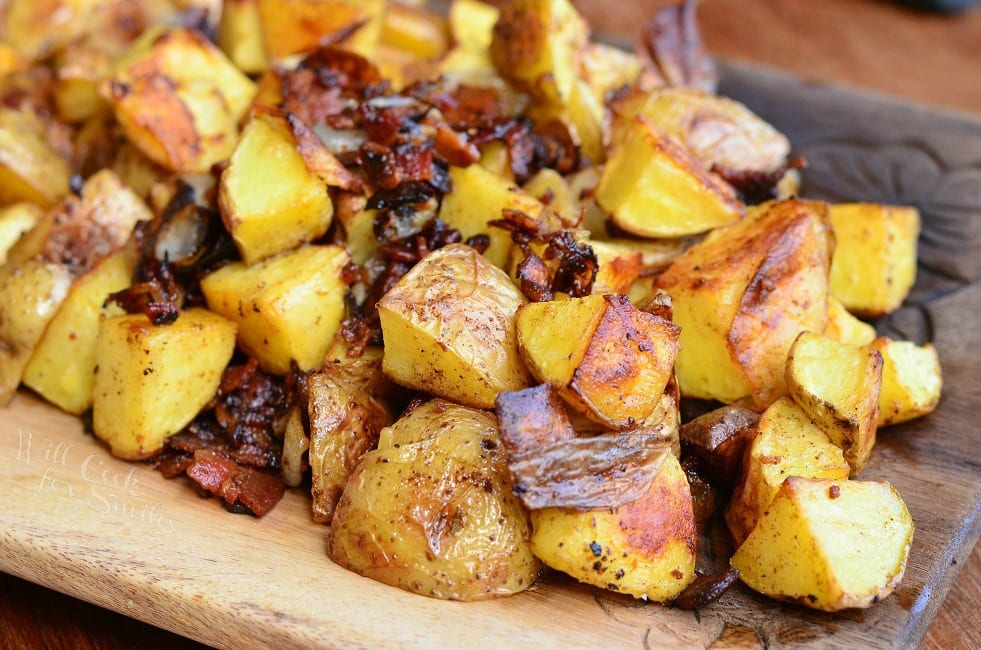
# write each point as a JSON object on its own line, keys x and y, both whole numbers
{"x": 118, "y": 535}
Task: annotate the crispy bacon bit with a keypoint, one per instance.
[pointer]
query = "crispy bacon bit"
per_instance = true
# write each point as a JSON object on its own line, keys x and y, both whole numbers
{"x": 756, "y": 186}
{"x": 158, "y": 296}
{"x": 834, "y": 492}
{"x": 236, "y": 485}
{"x": 390, "y": 167}
{"x": 535, "y": 278}
{"x": 672, "y": 51}
{"x": 706, "y": 589}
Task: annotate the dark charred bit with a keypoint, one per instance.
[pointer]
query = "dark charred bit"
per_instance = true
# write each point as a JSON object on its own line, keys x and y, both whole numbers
{"x": 158, "y": 297}
{"x": 577, "y": 264}
{"x": 534, "y": 278}
{"x": 356, "y": 329}
{"x": 672, "y": 52}
{"x": 756, "y": 186}
{"x": 706, "y": 589}
{"x": 479, "y": 242}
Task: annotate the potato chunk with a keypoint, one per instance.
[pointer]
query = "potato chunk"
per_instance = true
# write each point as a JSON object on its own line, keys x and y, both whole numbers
{"x": 537, "y": 45}
{"x": 838, "y": 385}
{"x": 30, "y": 170}
{"x": 911, "y": 380}
{"x": 153, "y": 379}
{"x": 645, "y": 548}
{"x": 787, "y": 444}
{"x": 179, "y": 99}
{"x": 61, "y": 368}
{"x": 449, "y": 330}
{"x": 651, "y": 187}
{"x": 240, "y": 35}
{"x": 270, "y": 201}
{"x": 15, "y": 220}
{"x": 480, "y": 196}
{"x": 30, "y": 294}
{"x": 874, "y": 264}
{"x": 845, "y": 328}
{"x": 743, "y": 294}
{"x": 431, "y": 510}
{"x": 288, "y": 307}
{"x": 298, "y": 26}
{"x": 604, "y": 356}
{"x": 828, "y": 544}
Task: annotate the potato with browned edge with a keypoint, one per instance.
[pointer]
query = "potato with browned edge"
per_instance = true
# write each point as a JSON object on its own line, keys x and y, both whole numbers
{"x": 431, "y": 510}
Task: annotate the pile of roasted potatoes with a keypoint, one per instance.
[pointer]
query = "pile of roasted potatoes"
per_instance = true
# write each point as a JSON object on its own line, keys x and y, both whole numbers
{"x": 455, "y": 273}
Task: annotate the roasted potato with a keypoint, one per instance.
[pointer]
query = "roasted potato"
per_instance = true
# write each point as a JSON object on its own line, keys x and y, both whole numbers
{"x": 431, "y": 510}
{"x": 645, "y": 548}
{"x": 786, "y": 444}
{"x": 911, "y": 380}
{"x": 651, "y": 187}
{"x": 61, "y": 369}
{"x": 743, "y": 294}
{"x": 269, "y": 198}
{"x": 297, "y": 26}
{"x": 151, "y": 380}
{"x": 874, "y": 264}
{"x": 15, "y": 220}
{"x": 240, "y": 35}
{"x": 30, "y": 169}
{"x": 828, "y": 544}
{"x": 449, "y": 330}
{"x": 845, "y": 328}
{"x": 605, "y": 357}
{"x": 288, "y": 308}
{"x": 838, "y": 385}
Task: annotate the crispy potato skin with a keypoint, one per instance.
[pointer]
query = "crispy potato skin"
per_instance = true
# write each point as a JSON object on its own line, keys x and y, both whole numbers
{"x": 431, "y": 510}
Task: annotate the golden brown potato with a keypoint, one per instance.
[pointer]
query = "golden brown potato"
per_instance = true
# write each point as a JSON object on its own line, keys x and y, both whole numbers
{"x": 288, "y": 308}
{"x": 449, "y": 328}
{"x": 345, "y": 414}
{"x": 828, "y": 544}
{"x": 605, "y": 357}
{"x": 179, "y": 99}
{"x": 911, "y": 380}
{"x": 786, "y": 444}
{"x": 61, "y": 367}
{"x": 743, "y": 294}
{"x": 874, "y": 264}
{"x": 845, "y": 328}
{"x": 480, "y": 196}
{"x": 645, "y": 548}
{"x": 151, "y": 380}
{"x": 414, "y": 30}
{"x": 270, "y": 200}
{"x": 838, "y": 385}
{"x": 297, "y": 26}
{"x": 431, "y": 510}
{"x": 537, "y": 45}
{"x": 240, "y": 35}
{"x": 651, "y": 187}
{"x": 15, "y": 220}
{"x": 30, "y": 294}
{"x": 30, "y": 169}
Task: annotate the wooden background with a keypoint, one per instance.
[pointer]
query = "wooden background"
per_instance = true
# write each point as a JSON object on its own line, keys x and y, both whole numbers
{"x": 872, "y": 44}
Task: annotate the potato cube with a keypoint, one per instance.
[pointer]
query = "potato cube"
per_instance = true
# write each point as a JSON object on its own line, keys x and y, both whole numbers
{"x": 828, "y": 544}
{"x": 837, "y": 385}
{"x": 480, "y": 196}
{"x": 288, "y": 308}
{"x": 874, "y": 264}
{"x": 651, "y": 187}
{"x": 845, "y": 328}
{"x": 179, "y": 99}
{"x": 911, "y": 380}
{"x": 30, "y": 294}
{"x": 645, "y": 548}
{"x": 449, "y": 329}
{"x": 61, "y": 368}
{"x": 270, "y": 200}
{"x": 604, "y": 356}
{"x": 742, "y": 296}
{"x": 30, "y": 170}
{"x": 15, "y": 220}
{"x": 537, "y": 44}
{"x": 431, "y": 509}
{"x": 240, "y": 35}
{"x": 415, "y": 31}
{"x": 787, "y": 444}
{"x": 606, "y": 69}
{"x": 472, "y": 23}
{"x": 152, "y": 380}
{"x": 297, "y": 26}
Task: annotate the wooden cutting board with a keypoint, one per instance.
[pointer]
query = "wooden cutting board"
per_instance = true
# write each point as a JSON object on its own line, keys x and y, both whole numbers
{"x": 117, "y": 534}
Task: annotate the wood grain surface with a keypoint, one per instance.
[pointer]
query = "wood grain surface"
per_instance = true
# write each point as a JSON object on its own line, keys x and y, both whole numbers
{"x": 863, "y": 43}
